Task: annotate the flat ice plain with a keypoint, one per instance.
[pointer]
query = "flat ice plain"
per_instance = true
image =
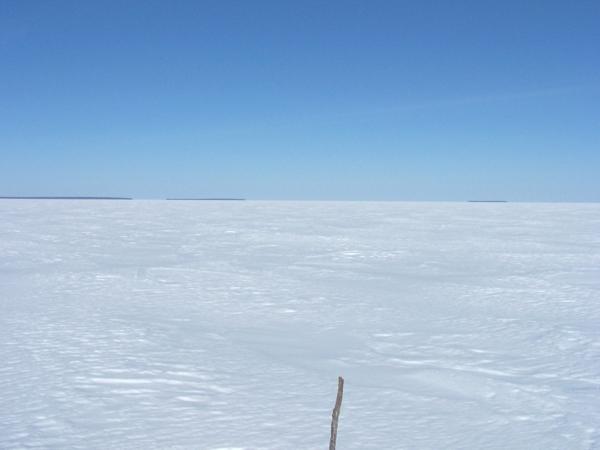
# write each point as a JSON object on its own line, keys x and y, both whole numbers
{"x": 212, "y": 325}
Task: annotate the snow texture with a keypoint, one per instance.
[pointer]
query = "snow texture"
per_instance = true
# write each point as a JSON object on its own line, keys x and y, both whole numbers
{"x": 214, "y": 325}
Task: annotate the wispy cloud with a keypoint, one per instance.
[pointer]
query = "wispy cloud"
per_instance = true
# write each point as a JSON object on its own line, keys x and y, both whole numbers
{"x": 475, "y": 100}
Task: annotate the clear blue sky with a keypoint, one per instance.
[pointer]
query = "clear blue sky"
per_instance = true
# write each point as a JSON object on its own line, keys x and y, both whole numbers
{"x": 384, "y": 100}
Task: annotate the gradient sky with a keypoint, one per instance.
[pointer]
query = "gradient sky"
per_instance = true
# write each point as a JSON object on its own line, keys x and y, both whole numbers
{"x": 382, "y": 100}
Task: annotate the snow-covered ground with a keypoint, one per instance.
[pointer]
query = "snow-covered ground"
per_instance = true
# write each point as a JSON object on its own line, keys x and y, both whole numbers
{"x": 205, "y": 325}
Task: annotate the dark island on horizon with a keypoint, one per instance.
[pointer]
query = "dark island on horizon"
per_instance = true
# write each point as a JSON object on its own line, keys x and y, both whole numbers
{"x": 48, "y": 197}
{"x": 209, "y": 199}
{"x": 62, "y": 198}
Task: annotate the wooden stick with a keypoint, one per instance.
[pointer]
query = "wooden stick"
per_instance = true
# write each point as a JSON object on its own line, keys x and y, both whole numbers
{"x": 336, "y": 413}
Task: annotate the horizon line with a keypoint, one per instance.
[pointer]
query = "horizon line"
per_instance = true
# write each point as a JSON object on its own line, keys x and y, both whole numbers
{"x": 61, "y": 197}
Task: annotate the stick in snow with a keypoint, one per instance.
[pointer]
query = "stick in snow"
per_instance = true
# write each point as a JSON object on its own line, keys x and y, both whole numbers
{"x": 336, "y": 413}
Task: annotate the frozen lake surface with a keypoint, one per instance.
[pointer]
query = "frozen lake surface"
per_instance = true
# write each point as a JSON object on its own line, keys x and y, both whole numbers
{"x": 154, "y": 324}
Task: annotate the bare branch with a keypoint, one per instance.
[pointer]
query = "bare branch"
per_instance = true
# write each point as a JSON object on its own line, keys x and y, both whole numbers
{"x": 336, "y": 413}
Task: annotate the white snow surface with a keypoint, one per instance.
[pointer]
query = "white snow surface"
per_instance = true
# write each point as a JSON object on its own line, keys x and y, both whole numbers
{"x": 213, "y": 325}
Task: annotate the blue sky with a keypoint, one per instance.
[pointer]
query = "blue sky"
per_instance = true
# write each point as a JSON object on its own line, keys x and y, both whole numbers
{"x": 370, "y": 100}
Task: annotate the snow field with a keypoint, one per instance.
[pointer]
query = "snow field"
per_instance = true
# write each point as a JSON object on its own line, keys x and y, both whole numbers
{"x": 154, "y": 324}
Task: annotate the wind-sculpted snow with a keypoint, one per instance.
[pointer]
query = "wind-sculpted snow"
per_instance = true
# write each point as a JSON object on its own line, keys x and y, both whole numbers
{"x": 154, "y": 324}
